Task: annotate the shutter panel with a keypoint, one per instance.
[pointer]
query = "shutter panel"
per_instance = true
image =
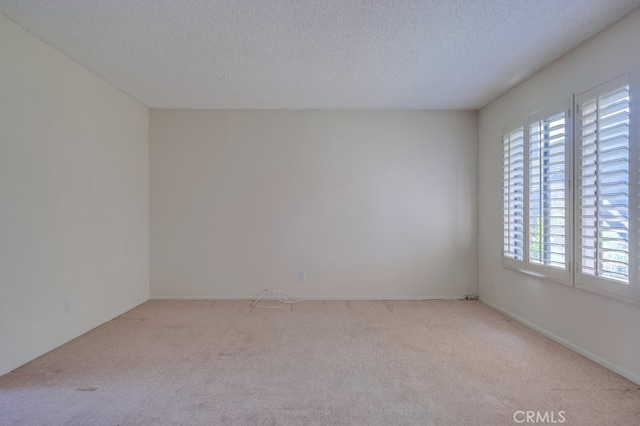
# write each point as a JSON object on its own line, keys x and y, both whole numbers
{"x": 604, "y": 185}
{"x": 547, "y": 191}
{"x": 513, "y": 190}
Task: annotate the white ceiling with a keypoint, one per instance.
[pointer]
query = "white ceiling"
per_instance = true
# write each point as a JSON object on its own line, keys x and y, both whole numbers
{"x": 297, "y": 54}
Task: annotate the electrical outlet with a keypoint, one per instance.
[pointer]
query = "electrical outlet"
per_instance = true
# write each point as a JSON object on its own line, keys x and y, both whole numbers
{"x": 67, "y": 307}
{"x": 302, "y": 277}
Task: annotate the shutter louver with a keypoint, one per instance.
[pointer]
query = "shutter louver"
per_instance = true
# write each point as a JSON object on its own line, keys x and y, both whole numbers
{"x": 513, "y": 213}
{"x": 604, "y": 186}
{"x": 547, "y": 191}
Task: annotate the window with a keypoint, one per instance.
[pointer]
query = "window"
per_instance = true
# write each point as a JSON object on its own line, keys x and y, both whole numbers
{"x": 548, "y": 190}
{"x": 541, "y": 211}
{"x": 513, "y": 143}
{"x": 536, "y": 188}
{"x": 605, "y": 210}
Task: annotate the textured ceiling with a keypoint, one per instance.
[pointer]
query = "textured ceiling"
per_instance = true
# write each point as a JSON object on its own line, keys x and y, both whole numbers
{"x": 297, "y": 54}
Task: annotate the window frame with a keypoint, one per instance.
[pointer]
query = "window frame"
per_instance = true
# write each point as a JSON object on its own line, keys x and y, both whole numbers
{"x": 599, "y": 284}
{"x": 572, "y": 275}
{"x": 563, "y": 276}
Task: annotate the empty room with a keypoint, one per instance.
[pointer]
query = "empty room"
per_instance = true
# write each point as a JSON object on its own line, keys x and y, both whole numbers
{"x": 285, "y": 212}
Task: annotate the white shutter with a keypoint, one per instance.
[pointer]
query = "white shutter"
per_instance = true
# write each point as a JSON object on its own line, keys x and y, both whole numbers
{"x": 513, "y": 195}
{"x": 547, "y": 225}
{"x": 548, "y": 192}
{"x": 604, "y": 209}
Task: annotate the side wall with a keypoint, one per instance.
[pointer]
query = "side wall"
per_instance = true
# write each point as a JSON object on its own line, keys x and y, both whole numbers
{"x": 370, "y": 204}
{"x": 599, "y": 327}
{"x": 73, "y": 199}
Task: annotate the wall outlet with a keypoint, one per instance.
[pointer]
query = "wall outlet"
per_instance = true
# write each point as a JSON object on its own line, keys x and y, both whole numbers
{"x": 302, "y": 277}
{"x": 67, "y": 307}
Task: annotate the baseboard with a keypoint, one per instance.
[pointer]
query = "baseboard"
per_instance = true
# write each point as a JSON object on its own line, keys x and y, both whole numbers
{"x": 585, "y": 353}
{"x": 67, "y": 339}
{"x": 270, "y": 297}
{"x": 119, "y": 312}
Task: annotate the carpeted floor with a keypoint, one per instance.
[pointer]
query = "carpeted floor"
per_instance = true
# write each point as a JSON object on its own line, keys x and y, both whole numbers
{"x": 314, "y": 363}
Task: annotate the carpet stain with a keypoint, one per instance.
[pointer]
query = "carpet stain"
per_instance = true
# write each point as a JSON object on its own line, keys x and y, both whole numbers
{"x": 129, "y": 319}
{"x": 86, "y": 388}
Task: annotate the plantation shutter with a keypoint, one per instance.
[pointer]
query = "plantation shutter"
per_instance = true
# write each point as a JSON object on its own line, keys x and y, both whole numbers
{"x": 604, "y": 204}
{"x": 587, "y": 234}
{"x": 513, "y": 195}
{"x": 547, "y": 191}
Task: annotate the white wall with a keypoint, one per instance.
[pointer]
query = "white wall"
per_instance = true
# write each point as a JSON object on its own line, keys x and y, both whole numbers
{"x": 371, "y": 204}
{"x": 73, "y": 199}
{"x": 604, "y": 329}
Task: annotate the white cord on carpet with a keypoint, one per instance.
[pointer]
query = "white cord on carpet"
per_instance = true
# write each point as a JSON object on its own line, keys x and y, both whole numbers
{"x": 282, "y": 296}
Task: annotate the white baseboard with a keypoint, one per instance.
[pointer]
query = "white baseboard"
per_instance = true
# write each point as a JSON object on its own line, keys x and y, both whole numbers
{"x": 270, "y": 297}
{"x": 119, "y": 312}
{"x": 585, "y": 353}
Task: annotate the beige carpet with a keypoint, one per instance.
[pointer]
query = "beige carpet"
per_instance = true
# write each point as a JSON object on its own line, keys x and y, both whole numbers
{"x": 321, "y": 363}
